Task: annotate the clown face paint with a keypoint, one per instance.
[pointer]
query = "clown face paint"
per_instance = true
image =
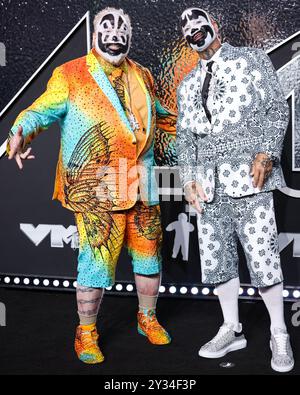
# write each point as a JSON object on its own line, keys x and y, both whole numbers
{"x": 113, "y": 35}
{"x": 197, "y": 28}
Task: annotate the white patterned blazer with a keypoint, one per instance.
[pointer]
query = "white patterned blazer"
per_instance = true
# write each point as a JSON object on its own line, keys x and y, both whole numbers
{"x": 249, "y": 115}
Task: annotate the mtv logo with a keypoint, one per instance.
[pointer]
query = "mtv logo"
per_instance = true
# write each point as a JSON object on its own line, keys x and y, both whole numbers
{"x": 2, "y": 55}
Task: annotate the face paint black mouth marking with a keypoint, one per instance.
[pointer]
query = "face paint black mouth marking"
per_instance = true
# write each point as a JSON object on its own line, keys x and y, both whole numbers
{"x": 113, "y": 37}
{"x": 117, "y": 49}
{"x": 200, "y": 41}
{"x": 199, "y": 37}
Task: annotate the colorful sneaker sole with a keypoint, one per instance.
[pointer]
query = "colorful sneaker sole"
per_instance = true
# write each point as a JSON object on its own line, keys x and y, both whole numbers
{"x": 141, "y": 332}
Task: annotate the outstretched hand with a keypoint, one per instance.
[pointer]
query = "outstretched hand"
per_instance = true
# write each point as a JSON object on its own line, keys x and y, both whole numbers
{"x": 16, "y": 149}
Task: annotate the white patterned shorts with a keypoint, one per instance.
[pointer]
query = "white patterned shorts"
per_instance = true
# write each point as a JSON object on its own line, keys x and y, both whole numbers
{"x": 250, "y": 219}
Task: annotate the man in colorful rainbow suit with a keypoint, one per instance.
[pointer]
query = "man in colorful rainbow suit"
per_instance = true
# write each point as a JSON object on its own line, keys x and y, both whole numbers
{"x": 108, "y": 113}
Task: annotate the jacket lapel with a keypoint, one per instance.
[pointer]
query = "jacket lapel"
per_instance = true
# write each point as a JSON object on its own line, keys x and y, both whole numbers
{"x": 104, "y": 84}
{"x": 148, "y": 97}
{"x": 219, "y": 68}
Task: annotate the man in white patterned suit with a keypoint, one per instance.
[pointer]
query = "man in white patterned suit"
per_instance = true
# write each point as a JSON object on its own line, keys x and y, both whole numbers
{"x": 232, "y": 121}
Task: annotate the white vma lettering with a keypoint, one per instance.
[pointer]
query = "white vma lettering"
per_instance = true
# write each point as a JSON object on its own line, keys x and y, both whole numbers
{"x": 59, "y": 235}
{"x": 290, "y": 81}
{"x": 2, "y": 314}
{"x": 286, "y": 239}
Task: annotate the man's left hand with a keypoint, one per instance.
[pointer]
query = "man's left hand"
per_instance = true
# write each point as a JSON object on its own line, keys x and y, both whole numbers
{"x": 261, "y": 169}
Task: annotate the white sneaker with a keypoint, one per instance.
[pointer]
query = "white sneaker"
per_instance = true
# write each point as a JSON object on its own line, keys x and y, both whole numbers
{"x": 227, "y": 340}
{"x": 282, "y": 354}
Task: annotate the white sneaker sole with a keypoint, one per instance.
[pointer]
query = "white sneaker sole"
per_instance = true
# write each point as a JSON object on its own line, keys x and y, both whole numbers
{"x": 280, "y": 369}
{"x": 235, "y": 346}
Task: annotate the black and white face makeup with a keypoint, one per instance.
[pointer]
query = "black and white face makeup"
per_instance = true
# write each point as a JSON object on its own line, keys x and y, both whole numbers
{"x": 197, "y": 28}
{"x": 113, "y": 35}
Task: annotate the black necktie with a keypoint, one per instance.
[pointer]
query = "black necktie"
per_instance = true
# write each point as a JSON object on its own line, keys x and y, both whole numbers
{"x": 205, "y": 89}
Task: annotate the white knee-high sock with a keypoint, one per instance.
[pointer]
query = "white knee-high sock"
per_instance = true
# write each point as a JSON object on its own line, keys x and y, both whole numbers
{"x": 228, "y": 294}
{"x": 273, "y": 299}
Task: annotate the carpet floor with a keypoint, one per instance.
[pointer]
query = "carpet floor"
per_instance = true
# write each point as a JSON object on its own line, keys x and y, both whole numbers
{"x": 39, "y": 335}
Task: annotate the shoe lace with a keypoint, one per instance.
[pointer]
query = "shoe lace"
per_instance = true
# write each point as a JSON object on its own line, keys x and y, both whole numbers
{"x": 281, "y": 343}
{"x": 222, "y": 331}
{"x": 151, "y": 322}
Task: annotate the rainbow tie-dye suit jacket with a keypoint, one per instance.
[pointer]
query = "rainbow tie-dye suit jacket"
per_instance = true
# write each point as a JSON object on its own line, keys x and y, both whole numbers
{"x": 99, "y": 168}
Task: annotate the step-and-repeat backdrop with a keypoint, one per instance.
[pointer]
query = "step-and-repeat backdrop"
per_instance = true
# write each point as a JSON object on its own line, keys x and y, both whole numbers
{"x": 38, "y": 237}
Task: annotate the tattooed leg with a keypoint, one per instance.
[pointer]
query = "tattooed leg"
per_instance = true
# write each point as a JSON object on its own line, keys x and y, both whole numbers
{"x": 147, "y": 290}
{"x": 88, "y": 302}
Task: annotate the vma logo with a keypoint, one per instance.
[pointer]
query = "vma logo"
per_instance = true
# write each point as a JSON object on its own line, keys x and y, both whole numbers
{"x": 286, "y": 239}
{"x": 59, "y": 235}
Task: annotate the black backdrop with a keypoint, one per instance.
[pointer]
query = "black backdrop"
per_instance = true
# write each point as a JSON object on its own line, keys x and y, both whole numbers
{"x": 37, "y": 235}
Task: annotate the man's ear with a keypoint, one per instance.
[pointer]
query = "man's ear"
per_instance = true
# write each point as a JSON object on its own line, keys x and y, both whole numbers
{"x": 216, "y": 26}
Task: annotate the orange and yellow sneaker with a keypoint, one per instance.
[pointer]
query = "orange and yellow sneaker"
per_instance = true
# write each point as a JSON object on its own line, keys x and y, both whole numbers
{"x": 149, "y": 326}
{"x": 86, "y": 345}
